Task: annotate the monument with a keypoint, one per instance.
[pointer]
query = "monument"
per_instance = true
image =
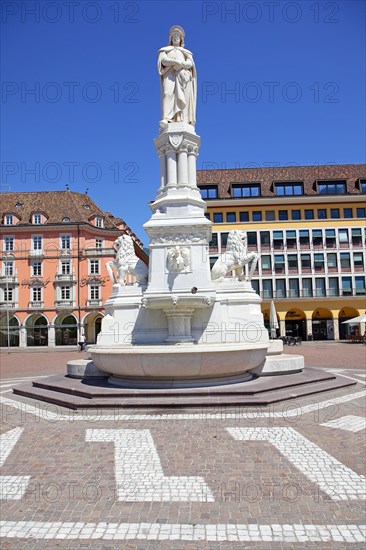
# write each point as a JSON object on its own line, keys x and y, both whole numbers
{"x": 183, "y": 334}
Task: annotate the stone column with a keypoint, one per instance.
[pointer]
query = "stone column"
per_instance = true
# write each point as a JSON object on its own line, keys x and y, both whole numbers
{"x": 309, "y": 326}
{"x": 51, "y": 336}
{"x": 171, "y": 167}
{"x": 183, "y": 167}
{"x": 282, "y": 327}
{"x": 192, "y": 178}
{"x": 22, "y": 336}
{"x": 162, "y": 171}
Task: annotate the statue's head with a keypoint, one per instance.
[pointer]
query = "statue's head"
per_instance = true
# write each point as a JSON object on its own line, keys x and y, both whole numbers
{"x": 176, "y": 36}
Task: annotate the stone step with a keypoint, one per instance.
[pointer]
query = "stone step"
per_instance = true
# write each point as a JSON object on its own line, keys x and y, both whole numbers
{"x": 91, "y": 389}
{"x": 188, "y": 399}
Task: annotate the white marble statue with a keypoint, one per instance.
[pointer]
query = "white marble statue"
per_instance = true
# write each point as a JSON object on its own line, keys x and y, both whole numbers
{"x": 125, "y": 262}
{"x": 179, "y": 258}
{"x": 235, "y": 258}
{"x": 178, "y": 80}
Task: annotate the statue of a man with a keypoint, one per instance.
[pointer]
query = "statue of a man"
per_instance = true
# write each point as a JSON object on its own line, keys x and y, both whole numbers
{"x": 178, "y": 80}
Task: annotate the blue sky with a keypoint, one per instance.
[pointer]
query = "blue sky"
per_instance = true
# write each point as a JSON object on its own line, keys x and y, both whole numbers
{"x": 295, "y": 70}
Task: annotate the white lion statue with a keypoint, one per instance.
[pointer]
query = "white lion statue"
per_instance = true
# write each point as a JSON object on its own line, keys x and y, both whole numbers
{"x": 235, "y": 258}
{"x": 125, "y": 262}
{"x": 179, "y": 258}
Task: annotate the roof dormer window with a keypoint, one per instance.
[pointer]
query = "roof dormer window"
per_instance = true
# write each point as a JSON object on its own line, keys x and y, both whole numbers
{"x": 37, "y": 219}
{"x": 99, "y": 221}
{"x": 9, "y": 220}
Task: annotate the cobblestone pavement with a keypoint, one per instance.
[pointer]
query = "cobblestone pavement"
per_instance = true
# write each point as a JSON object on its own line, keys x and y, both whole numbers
{"x": 285, "y": 476}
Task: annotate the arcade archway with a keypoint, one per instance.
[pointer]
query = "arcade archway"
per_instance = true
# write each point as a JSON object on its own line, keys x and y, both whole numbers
{"x": 345, "y": 331}
{"x": 9, "y": 333}
{"x": 66, "y": 330}
{"x": 92, "y": 326}
{"x": 295, "y": 323}
{"x": 37, "y": 330}
{"x": 322, "y": 324}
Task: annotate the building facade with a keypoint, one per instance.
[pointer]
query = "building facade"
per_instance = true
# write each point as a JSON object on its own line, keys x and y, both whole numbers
{"x": 308, "y": 225}
{"x": 53, "y": 276}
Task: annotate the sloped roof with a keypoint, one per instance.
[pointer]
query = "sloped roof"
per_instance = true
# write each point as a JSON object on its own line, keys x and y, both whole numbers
{"x": 57, "y": 205}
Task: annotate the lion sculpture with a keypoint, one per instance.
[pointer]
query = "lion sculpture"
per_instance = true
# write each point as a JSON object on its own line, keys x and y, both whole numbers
{"x": 178, "y": 258}
{"x": 125, "y": 262}
{"x": 235, "y": 258}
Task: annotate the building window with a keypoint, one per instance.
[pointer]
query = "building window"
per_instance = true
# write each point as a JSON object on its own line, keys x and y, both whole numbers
{"x": 307, "y": 287}
{"x": 322, "y": 214}
{"x": 291, "y": 239}
{"x": 292, "y": 261}
{"x": 343, "y": 236}
{"x": 8, "y": 268}
{"x": 278, "y": 239}
{"x": 99, "y": 221}
{"x": 37, "y": 219}
{"x": 266, "y": 263}
{"x": 267, "y": 288}
{"x": 213, "y": 244}
{"x": 356, "y": 237}
{"x": 37, "y": 294}
{"x": 36, "y": 269}
{"x": 94, "y": 292}
{"x": 345, "y": 259}
{"x": 209, "y": 192}
{"x": 224, "y": 237}
{"x": 65, "y": 242}
{"x": 280, "y": 288}
{"x": 270, "y": 215}
{"x": 252, "y": 239}
{"x": 282, "y": 189}
{"x": 361, "y": 212}
{"x": 360, "y": 285}
{"x": 332, "y": 261}
{"x": 309, "y": 214}
{"x": 218, "y": 217}
{"x": 317, "y": 238}
{"x": 9, "y": 244}
{"x": 98, "y": 243}
{"x": 319, "y": 261}
{"x": 358, "y": 260}
{"x": 257, "y": 216}
{"x": 305, "y": 262}
{"x": 245, "y": 190}
{"x": 65, "y": 268}
{"x": 332, "y": 187}
{"x": 8, "y": 295}
{"x": 37, "y": 242}
{"x": 283, "y": 215}
{"x": 304, "y": 237}
{"x": 333, "y": 286}
{"x": 255, "y": 285}
{"x": 65, "y": 220}
{"x": 9, "y": 219}
{"x": 347, "y": 213}
{"x": 65, "y": 293}
{"x": 346, "y": 286}
{"x": 330, "y": 238}
{"x": 295, "y": 214}
{"x": 265, "y": 238}
{"x": 279, "y": 263}
{"x": 363, "y": 186}
{"x": 244, "y": 216}
{"x": 213, "y": 260}
{"x": 334, "y": 213}
{"x": 94, "y": 267}
{"x": 294, "y": 288}
{"x": 231, "y": 217}
{"x": 320, "y": 287}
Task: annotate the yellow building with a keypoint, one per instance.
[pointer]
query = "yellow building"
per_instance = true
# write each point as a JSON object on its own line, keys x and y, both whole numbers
{"x": 308, "y": 225}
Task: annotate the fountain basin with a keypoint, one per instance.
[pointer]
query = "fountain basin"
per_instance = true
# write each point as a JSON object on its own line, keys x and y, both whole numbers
{"x": 180, "y": 362}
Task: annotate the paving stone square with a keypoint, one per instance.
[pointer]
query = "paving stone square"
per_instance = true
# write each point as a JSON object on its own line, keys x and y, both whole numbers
{"x": 291, "y": 475}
